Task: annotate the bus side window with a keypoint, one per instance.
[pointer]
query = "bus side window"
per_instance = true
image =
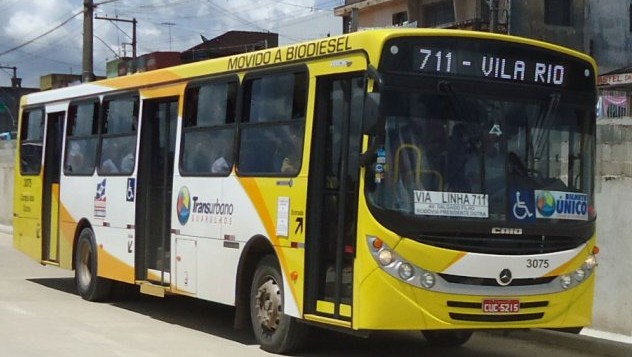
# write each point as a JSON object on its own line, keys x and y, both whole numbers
{"x": 31, "y": 138}
{"x": 209, "y": 129}
{"x": 118, "y": 135}
{"x": 81, "y": 138}
{"x": 271, "y": 140}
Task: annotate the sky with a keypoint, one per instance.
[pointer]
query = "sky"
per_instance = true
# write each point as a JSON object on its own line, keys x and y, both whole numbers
{"x": 45, "y": 36}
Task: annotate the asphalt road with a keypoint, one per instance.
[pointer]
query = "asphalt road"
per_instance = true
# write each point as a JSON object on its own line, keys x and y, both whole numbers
{"x": 41, "y": 315}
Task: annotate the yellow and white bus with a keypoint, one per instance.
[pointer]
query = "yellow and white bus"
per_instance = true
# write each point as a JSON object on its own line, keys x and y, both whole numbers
{"x": 396, "y": 179}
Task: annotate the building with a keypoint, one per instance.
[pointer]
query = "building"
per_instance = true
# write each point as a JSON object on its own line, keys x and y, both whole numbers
{"x": 461, "y": 14}
{"x": 147, "y": 62}
{"x": 59, "y": 80}
{"x": 230, "y": 43}
{"x": 589, "y": 26}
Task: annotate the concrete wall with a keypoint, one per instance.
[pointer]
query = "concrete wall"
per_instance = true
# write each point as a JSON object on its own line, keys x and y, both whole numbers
{"x": 7, "y": 155}
{"x": 608, "y": 36}
{"x": 527, "y": 19}
{"x": 379, "y": 16}
{"x": 613, "y": 306}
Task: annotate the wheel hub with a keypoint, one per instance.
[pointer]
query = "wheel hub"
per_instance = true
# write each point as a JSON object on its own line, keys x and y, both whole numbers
{"x": 268, "y": 304}
{"x": 83, "y": 265}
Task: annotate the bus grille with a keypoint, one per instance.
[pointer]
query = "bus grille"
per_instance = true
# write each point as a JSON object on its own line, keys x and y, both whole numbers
{"x": 457, "y": 279}
{"x": 496, "y": 318}
{"x": 502, "y": 244}
{"x": 477, "y": 316}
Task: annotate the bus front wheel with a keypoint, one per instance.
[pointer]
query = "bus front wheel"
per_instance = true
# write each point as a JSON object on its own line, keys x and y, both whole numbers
{"x": 448, "y": 338}
{"x": 275, "y": 331}
{"x": 90, "y": 286}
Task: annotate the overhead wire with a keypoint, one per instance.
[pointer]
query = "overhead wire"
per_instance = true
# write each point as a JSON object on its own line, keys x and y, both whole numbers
{"x": 42, "y": 35}
{"x": 283, "y": 15}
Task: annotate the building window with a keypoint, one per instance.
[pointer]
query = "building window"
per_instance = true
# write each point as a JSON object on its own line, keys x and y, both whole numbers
{"x": 400, "y": 18}
{"x": 438, "y": 13}
{"x": 630, "y": 15}
{"x": 558, "y": 12}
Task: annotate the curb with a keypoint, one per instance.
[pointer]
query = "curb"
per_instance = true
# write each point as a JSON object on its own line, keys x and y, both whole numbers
{"x": 579, "y": 342}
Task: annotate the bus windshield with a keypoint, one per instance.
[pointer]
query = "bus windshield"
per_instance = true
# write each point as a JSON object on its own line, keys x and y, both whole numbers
{"x": 455, "y": 154}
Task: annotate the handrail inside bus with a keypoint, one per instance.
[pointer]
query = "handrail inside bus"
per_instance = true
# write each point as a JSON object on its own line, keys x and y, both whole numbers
{"x": 418, "y": 165}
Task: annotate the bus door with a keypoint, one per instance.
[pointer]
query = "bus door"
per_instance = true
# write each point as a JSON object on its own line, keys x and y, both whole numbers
{"x": 153, "y": 196}
{"x": 333, "y": 196}
{"x": 50, "y": 198}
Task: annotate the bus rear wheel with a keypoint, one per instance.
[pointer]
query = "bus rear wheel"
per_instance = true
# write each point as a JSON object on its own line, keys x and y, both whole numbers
{"x": 448, "y": 338}
{"x": 275, "y": 331}
{"x": 90, "y": 286}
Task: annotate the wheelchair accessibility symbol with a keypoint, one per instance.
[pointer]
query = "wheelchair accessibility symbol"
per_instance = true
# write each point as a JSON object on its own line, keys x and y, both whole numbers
{"x": 523, "y": 206}
{"x": 130, "y": 194}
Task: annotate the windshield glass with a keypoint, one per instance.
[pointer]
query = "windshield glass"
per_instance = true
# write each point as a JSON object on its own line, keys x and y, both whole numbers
{"x": 451, "y": 155}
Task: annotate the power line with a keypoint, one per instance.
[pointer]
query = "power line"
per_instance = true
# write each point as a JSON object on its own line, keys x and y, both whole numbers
{"x": 42, "y": 35}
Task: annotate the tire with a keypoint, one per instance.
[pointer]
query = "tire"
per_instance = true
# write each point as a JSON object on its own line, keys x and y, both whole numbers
{"x": 275, "y": 331}
{"x": 90, "y": 286}
{"x": 448, "y": 338}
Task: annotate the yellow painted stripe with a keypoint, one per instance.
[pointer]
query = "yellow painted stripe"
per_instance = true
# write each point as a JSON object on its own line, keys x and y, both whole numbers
{"x": 140, "y": 80}
{"x": 67, "y": 230}
{"x": 458, "y": 257}
{"x": 253, "y": 191}
{"x": 256, "y": 197}
{"x": 114, "y": 268}
{"x": 53, "y": 244}
{"x": 327, "y": 320}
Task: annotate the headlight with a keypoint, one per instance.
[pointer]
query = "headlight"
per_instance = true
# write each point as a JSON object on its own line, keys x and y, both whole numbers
{"x": 385, "y": 257}
{"x": 580, "y": 274}
{"x": 565, "y": 281}
{"x": 398, "y": 267}
{"x": 590, "y": 263}
{"x": 427, "y": 280}
{"x": 406, "y": 271}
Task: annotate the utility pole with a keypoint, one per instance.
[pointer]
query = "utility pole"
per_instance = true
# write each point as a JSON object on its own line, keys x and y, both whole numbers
{"x": 133, "y": 22}
{"x": 87, "y": 71}
{"x": 355, "y": 19}
{"x": 15, "y": 81}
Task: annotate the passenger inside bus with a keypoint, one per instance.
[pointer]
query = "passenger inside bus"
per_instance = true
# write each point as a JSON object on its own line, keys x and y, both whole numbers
{"x": 75, "y": 160}
{"x": 219, "y": 156}
{"x": 108, "y": 156}
{"x": 292, "y": 147}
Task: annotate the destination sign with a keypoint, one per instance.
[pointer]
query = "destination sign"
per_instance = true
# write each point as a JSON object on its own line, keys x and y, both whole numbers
{"x": 438, "y": 60}
{"x": 487, "y": 60}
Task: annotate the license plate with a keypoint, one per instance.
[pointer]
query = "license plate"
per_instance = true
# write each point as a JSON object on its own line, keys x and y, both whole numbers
{"x": 498, "y": 306}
